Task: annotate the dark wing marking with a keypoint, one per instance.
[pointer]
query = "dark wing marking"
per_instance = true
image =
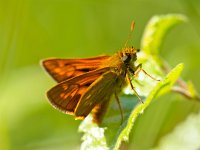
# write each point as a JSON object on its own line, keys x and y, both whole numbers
{"x": 63, "y": 69}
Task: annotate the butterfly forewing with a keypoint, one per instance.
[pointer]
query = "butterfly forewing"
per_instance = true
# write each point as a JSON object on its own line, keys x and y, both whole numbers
{"x": 63, "y": 69}
{"x": 66, "y": 94}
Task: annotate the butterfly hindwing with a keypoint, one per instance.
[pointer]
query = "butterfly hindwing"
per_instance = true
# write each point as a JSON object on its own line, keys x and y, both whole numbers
{"x": 99, "y": 111}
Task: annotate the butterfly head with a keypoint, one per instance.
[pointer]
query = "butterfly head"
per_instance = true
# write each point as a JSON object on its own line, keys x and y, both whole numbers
{"x": 129, "y": 55}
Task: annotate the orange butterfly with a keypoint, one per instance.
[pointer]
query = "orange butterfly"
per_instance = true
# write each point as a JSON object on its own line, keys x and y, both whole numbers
{"x": 86, "y": 85}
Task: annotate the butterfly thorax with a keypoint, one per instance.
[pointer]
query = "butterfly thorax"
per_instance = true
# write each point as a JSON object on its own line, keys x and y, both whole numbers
{"x": 122, "y": 60}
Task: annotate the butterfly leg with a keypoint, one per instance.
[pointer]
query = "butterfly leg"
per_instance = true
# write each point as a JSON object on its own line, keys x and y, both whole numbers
{"x": 139, "y": 68}
{"x": 120, "y": 108}
{"x": 132, "y": 87}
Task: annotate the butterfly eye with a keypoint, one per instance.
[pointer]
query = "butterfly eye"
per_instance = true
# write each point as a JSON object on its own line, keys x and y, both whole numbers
{"x": 126, "y": 58}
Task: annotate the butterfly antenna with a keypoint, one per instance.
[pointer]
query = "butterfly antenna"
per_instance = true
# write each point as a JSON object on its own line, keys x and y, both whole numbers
{"x": 130, "y": 33}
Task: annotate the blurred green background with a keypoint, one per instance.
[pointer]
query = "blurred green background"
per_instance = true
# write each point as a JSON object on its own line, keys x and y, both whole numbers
{"x": 31, "y": 30}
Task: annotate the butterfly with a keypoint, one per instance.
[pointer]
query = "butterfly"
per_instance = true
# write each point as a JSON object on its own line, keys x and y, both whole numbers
{"x": 87, "y": 85}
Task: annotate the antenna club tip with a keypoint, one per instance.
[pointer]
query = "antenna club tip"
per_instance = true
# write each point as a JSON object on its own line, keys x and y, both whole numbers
{"x": 132, "y": 25}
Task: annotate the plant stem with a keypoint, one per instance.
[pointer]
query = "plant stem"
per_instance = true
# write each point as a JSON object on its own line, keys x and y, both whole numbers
{"x": 185, "y": 93}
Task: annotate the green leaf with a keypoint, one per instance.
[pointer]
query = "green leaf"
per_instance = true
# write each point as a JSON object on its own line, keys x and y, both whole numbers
{"x": 162, "y": 87}
{"x": 151, "y": 42}
{"x": 115, "y": 132}
{"x": 156, "y": 30}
